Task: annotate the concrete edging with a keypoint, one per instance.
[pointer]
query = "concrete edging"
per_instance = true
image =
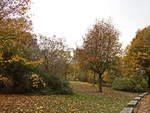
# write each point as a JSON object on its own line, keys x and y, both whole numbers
{"x": 132, "y": 106}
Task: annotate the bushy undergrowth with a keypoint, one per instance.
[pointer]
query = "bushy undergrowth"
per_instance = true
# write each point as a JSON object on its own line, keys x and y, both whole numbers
{"x": 15, "y": 80}
{"x": 58, "y": 85}
{"x": 34, "y": 83}
{"x": 133, "y": 84}
{"x": 18, "y": 77}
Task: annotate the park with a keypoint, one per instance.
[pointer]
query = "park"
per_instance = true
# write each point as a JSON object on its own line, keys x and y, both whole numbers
{"x": 44, "y": 74}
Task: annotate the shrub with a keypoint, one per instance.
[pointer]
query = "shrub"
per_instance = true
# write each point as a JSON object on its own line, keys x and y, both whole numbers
{"x": 58, "y": 85}
{"x": 17, "y": 72}
{"x": 133, "y": 83}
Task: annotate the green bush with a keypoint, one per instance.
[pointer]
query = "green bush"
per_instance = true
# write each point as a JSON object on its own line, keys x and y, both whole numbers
{"x": 17, "y": 71}
{"x": 133, "y": 84}
{"x": 107, "y": 84}
{"x": 13, "y": 66}
{"x": 58, "y": 85}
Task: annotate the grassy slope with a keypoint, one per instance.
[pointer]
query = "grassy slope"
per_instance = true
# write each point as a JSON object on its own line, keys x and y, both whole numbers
{"x": 85, "y": 100}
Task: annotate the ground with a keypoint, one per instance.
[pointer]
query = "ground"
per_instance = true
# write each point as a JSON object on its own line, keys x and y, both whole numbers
{"x": 144, "y": 106}
{"x": 85, "y": 100}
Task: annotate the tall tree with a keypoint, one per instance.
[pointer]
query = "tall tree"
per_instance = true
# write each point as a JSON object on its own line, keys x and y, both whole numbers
{"x": 138, "y": 53}
{"x": 100, "y": 48}
{"x": 15, "y": 26}
{"x": 15, "y": 38}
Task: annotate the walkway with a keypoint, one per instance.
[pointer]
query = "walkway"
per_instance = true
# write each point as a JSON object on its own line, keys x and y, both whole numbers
{"x": 144, "y": 106}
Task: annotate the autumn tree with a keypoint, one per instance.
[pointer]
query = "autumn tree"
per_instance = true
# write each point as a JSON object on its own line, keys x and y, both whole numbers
{"x": 138, "y": 54}
{"x": 15, "y": 39}
{"x": 15, "y": 26}
{"x": 100, "y": 48}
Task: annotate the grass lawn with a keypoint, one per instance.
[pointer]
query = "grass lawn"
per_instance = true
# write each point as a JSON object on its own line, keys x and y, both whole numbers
{"x": 85, "y": 100}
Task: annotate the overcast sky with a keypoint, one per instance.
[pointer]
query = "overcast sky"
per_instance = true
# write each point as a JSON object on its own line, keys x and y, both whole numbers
{"x": 70, "y": 19}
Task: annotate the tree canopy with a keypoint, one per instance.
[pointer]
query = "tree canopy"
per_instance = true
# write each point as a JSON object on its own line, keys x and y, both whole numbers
{"x": 100, "y": 47}
{"x": 138, "y": 53}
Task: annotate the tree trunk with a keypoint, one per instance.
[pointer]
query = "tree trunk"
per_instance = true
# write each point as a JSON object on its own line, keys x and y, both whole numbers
{"x": 148, "y": 81}
{"x": 100, "y": 82}
{"x": 94, "y": 79}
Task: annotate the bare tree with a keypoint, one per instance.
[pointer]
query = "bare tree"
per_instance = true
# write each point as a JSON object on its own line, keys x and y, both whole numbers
{"x": 11, "y": 8}
{"x": 55, "y": 54}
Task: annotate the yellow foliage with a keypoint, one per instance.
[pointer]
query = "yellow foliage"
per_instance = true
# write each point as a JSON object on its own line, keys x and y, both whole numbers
{"x": 16, "y": 58}
{"x": 106, "y": 77}
{"x": 138, "y": 53}
{"x": 1, "y": 46}
{"x": 37, "y": 81}
{"x": 3, "y": 78}
{"x": 34, "y": 62}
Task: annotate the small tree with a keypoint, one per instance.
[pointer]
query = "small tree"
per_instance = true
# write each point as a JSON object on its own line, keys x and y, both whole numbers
{"x": 100, "y": 48}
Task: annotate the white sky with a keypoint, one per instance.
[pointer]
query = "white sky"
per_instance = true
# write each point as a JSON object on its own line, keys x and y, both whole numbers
{"x": 70, "y": 19}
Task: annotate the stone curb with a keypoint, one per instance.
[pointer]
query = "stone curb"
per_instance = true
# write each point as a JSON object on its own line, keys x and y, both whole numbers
{"x": 133, "y": 104}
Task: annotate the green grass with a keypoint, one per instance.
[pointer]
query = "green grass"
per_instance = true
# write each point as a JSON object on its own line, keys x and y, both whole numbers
{"x": 97, "y": 104}
{"x": 85, "y": 100}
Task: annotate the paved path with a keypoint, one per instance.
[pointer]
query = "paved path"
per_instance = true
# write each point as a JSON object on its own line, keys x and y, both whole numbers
{"x": 144, "y": 106}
